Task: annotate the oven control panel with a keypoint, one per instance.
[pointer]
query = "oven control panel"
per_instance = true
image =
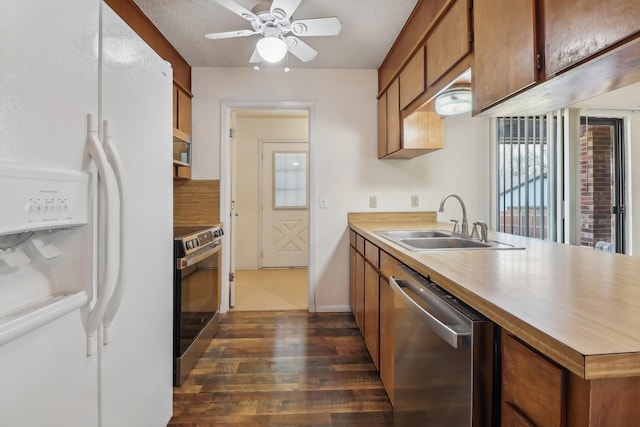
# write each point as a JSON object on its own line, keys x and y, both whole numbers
{"x": 192, "y": 243}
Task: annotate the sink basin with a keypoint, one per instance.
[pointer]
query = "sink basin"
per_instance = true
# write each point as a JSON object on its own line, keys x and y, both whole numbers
{"x": 438, "y": 240}
{"x": 444, "y": 243}
{"x": 412, "y": 234}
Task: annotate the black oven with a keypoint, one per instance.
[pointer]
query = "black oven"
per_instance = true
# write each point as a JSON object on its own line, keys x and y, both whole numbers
{"x": 196, "y": 293}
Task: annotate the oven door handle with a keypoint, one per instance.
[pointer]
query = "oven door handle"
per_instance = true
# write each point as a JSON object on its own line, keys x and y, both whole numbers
{"x": 188, "y": 261}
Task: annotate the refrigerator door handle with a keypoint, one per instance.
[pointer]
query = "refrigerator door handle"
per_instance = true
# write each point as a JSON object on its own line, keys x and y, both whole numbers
{"x": 108, "y": 278}
{"x": 118, "y": 291}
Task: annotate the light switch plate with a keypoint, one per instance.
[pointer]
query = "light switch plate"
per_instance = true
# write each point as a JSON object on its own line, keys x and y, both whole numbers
{"x": 373, "y": 202}
{"x": 415, "y": 201}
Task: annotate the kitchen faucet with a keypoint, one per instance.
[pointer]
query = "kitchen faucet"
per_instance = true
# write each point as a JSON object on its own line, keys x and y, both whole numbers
{"x": 465, "y": 225}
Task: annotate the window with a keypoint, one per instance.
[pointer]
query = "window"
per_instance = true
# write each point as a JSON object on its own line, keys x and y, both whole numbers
{"x": 523, "y": 185}
{"x": 290, "y": 180}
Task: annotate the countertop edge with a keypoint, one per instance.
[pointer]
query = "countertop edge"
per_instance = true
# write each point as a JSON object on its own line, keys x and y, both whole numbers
{"x": 597, "y": 366}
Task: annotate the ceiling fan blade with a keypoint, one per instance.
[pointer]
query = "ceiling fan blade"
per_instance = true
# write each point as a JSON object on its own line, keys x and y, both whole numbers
{"x": 300, "y": 49}
{"x": 229, "y": 34}
{"x": 238, "y": 9}
{"x": 317, "y": 27}
{"x": 255, "y": 57}
{"x": 283, "y": 9}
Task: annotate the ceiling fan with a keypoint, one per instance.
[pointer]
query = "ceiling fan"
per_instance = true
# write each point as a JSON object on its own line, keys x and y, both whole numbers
{"x": 273, "y": 20}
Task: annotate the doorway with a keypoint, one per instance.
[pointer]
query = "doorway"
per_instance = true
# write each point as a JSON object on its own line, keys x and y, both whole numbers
{"x": 285, "y": 205}
{"x": 269, "y": 191}
{"x": 602, "y": 184}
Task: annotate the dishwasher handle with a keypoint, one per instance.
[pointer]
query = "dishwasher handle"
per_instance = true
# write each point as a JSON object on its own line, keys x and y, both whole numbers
{"x": 457, "y": 336}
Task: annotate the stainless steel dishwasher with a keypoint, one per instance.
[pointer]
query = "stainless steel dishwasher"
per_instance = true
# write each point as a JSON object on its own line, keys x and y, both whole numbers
{"x": 443, "y": 357}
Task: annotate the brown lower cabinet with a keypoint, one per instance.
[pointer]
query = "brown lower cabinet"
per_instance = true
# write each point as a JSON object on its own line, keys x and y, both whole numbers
{"x": 364, "y": 292}
{"x": 386, "y": 337}
{"x": 533, "y": 388}
{"x": 372, "y": 312}
{"x": 534, "y": 391}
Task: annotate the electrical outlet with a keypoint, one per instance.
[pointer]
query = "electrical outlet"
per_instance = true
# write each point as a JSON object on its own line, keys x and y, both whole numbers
{"x": 415, "y": 201}
{"x": 373, "y": 202}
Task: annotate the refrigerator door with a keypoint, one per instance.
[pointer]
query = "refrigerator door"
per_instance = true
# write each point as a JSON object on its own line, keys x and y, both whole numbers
{"x": 48, "y": 84}
{"x": 136, "y": 364}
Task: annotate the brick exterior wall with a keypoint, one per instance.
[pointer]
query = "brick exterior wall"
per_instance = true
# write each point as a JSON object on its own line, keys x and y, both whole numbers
{"x": 596, "y": 198}
{"x": 516, "y": 216}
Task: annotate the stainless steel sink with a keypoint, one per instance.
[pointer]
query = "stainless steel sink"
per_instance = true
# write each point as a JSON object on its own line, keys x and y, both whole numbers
{"x": 444, "y": 243}
{"x": 413, "y": 234}
{"x": 438, "y": 240}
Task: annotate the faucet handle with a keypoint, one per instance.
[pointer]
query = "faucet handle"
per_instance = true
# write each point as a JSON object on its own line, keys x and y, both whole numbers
{"x": 474, "y": 232}
{"x": 455, "y": 225}
{"x": 484, "y": 231}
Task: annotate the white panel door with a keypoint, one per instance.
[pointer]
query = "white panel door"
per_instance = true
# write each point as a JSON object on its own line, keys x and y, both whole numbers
{"x": 136, "y": 365}
{"x": 285, "y": 204}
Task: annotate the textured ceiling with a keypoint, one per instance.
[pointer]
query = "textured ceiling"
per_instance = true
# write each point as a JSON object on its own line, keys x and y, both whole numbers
{"x": 369, "y": 28}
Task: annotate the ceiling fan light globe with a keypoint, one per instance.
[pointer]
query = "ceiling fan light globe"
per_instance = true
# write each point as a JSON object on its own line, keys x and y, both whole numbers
{"x": 271, "y": 49}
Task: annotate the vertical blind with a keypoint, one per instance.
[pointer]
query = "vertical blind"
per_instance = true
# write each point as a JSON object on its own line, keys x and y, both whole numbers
{"x": 523, "y": 185}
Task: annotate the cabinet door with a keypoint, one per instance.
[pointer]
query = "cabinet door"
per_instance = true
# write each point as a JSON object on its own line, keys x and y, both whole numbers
{"x": 352, "y": 279}
{"x": 184, "y": 112}
{"x": 423, "y": 130}
{"x": 448, "y": 43}
{"x": 386, "y": 337}
{"x": 412, "y": 82}
{"x": 359, "y": 291}
{"x": 393, "y": 117}
{"x": 372, "y": 313}
{"x": 577, "y": 29}
{"x": 175, "y": 106}
{"x": 504, "y": 60}
{"x": 382, "y": 126}
{"x": 533, "y": 388}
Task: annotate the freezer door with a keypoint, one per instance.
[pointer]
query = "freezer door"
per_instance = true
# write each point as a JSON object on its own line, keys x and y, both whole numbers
{"x": 48, "y": 84}
{"x": 136, "y": 364}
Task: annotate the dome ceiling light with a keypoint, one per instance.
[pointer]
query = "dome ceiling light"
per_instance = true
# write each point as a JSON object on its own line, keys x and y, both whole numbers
{"x": 454, "y": 100}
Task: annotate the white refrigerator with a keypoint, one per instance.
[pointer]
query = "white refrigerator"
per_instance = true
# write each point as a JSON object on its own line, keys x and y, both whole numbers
{"x": 86, "y": 255}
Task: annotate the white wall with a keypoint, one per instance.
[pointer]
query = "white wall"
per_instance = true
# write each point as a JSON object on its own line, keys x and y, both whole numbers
{"x": 347, "y": 169}
{"x": 249, "y": 132}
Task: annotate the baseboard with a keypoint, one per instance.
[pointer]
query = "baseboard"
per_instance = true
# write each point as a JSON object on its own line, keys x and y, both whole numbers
{"x": 333, "y": 309}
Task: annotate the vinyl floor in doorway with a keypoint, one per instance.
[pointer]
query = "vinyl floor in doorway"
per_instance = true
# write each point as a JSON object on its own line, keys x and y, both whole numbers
{"x": 271, "y": 289}
{"x": 287, "y": 368}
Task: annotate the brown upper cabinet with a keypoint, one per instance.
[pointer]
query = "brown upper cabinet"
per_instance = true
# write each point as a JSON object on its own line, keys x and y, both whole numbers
{"x": 577, "y": 29}
{"x": 405, "y": 136}
{"x": 431, "y": 52}
{"x": 412, "y": 79}
{"x": 535, "y": 56}
{"x": 181, "y": 132}
{"x": 449, "y": 42}
{"x": 389, "y": 121}
{"x": 505, "y": 50}
{"x": 181, "y": 109}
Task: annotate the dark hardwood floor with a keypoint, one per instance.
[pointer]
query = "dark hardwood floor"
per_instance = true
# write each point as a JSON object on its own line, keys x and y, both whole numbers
{"x": 287, "y": 368}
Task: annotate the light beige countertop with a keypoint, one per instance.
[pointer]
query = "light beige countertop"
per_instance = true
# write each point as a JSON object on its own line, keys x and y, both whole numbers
{"x": 578, "y": 306}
